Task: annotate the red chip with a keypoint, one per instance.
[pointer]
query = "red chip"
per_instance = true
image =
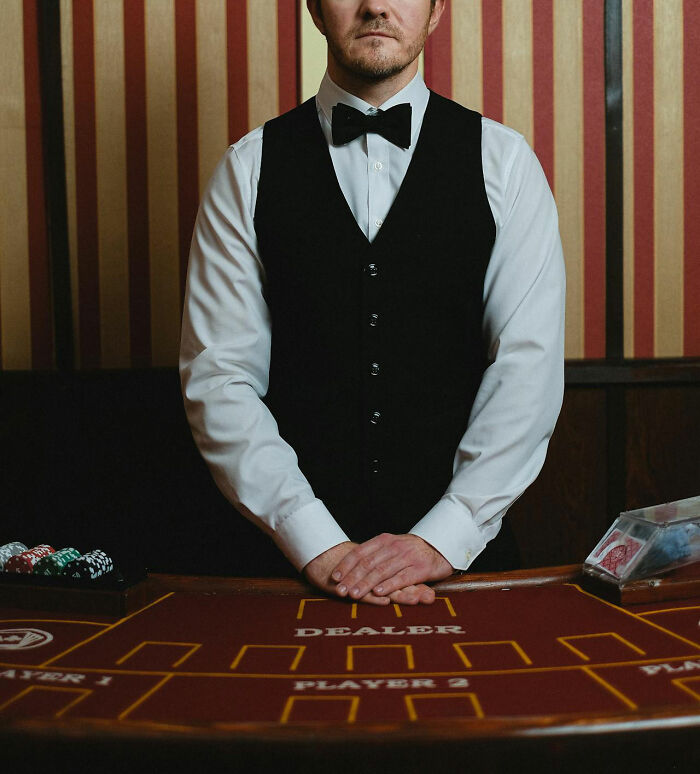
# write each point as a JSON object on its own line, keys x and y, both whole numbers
{"x": 25, "y": 561}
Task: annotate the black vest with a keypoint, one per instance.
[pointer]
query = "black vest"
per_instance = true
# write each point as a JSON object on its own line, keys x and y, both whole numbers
{"x": 377, "y": 348}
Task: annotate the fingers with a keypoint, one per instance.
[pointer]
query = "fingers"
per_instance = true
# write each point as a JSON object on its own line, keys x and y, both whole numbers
{"x": 418, "y": 594}
{"x": 363, "y": 554}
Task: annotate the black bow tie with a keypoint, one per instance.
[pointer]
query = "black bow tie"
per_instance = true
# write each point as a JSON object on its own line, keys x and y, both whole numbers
{"x": 393, "y": 124}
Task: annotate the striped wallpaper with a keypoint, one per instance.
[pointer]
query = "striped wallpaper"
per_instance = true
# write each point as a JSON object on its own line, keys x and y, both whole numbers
{"x": 154, "y": 91}
{"x": 661, "y": 87}
{"x": 538, "y": 66}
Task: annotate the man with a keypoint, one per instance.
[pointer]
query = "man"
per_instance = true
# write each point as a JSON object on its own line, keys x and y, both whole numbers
{"x": 372, "y": 342}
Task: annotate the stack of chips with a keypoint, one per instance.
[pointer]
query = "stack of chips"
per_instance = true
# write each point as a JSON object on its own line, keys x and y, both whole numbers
{"x": 53, "y": 564}
{"x": 92, "y": 565}
{"x": 25, "y": 561}
{"x": 9, "y": 550}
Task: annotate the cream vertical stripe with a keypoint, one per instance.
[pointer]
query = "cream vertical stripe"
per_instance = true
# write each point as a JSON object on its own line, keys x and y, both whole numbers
{"x": 110, "y": 122}
{"x": 14, "y": 247}
{"x": 568, "y": 154}
{"x": 668, "y": 178}
{"x": 313, "y": 55}
{"x": 212, "y": 92}
{"x": 628, "y": 174}
{"x": 161, "y": 112}
{"x": 467, "y": 60}
{"x": 263, "y": 87}
{"x": 517, "y": 67}
{"x": 69, "y": 150}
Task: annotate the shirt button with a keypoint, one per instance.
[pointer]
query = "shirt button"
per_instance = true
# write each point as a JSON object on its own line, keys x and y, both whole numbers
{"x": 469, "y": 555}
{"x": 378, "y": 165}
{"x": 374, "y": 466}
{"x": 378, "y": 222}
{"x": 374, "y": 369}
{"x": 376, "y": 416}
{"x": 373, "y": 320}
{"x": 373, "y": 270}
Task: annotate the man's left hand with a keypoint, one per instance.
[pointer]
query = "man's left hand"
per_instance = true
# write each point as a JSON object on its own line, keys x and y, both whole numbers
{"x": 387, "y": 563}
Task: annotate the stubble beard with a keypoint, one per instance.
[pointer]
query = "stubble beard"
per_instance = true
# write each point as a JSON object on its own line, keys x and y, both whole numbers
{"x": 375, "y": 65}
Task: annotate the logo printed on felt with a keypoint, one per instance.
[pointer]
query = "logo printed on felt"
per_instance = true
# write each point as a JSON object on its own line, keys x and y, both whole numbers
{"x": 23, "y": 639}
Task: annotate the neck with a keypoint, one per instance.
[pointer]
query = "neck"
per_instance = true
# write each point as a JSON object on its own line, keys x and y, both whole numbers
{"x": 373, "y": 92}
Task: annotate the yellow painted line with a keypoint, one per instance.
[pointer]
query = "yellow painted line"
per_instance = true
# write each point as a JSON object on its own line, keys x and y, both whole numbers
{"x": 52, "y": 620}
{"x": 291, "y": 700}
{"x": 465, "y": 660}
{"x": 83, "y": 692}
{"x": 104, "y": 631}
{"x": 611, "y": 689}
{"x": 145, "y": 696}
{"x": 412, "y": 698}
{"x": 350, "y": 661}
{"x": 670, "y": 610}
{"x": 448, "y": 605}
{"x": 295, "y": 663}
{"x": 637, "y": 617}
{"x": 193, "y": 646}
{"x": 302, "y": 605}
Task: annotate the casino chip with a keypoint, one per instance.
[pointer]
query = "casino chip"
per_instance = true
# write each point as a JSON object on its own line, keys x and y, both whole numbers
{"x": 53, "y": 564}
{"x": 9, "y": 550}
{"x": 92, "y": 565}
{"x": 25, "y": 561}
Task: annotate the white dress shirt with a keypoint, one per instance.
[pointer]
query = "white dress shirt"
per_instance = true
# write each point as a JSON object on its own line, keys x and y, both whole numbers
{"x": 225, "y": 351}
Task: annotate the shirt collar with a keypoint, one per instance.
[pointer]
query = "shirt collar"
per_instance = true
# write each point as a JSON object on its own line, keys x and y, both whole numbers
{"x": 416, "y": 93}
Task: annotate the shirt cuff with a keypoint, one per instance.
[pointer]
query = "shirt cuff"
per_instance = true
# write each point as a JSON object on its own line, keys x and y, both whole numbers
{"x": 308, "y": 532}
{"x": 451, "y": 530}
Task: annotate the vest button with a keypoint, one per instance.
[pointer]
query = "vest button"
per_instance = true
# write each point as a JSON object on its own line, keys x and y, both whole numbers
{"x": 373, "y": 320}
{"x": 374, "y": 369}
{"x": 374, "y": 466}
{"x": 373, "y": 270}
{"x": 376, "y": 416}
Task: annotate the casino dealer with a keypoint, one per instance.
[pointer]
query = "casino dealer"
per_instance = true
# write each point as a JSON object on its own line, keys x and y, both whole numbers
{"x": 372, "y": 340}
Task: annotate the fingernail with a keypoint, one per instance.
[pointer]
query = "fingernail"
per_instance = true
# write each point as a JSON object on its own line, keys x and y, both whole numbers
{"x": 355, "y": 592}
{"x": 336, "y": 575}
{"x": 379, "y": 589}
{"x": 342, "y": 589}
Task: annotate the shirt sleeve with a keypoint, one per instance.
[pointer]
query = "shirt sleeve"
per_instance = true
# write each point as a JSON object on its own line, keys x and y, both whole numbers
{"x": 518, "y": 402}
{"x": 225, "y": 362}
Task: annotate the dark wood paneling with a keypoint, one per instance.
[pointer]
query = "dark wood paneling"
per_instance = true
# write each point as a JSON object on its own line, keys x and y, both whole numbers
{"x": 563, "y": 514}
{"x": 106, "y": 459}
{"x": 663, "y": 447}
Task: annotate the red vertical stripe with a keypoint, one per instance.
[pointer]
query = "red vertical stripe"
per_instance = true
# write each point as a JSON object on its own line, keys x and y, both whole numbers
{"x": 86, "y": 183}
{"x": 137, "y": 182}
{"x": 594, "y": 177}
{"x": 691, "y": 280}
{"x": 39, "y": 282}
{"x": 287, "y": 54}
{"x": 237, "y": 67}
{"x": 187, "y": 133}
{"x": 492, "y": 37}
{"x": 543, "y": 84}
{"x": 438, "y": 56}
{"x": 643, "y": 33}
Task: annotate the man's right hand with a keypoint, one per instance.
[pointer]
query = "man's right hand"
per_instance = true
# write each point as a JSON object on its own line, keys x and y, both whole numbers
{"x": 318, "y": 573}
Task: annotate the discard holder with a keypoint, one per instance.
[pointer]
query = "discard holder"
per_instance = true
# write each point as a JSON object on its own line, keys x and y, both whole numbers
{"x": 647, "y": 542}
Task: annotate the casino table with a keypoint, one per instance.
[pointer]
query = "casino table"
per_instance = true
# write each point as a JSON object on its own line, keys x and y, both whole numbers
{"x": 502, "y": 672}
